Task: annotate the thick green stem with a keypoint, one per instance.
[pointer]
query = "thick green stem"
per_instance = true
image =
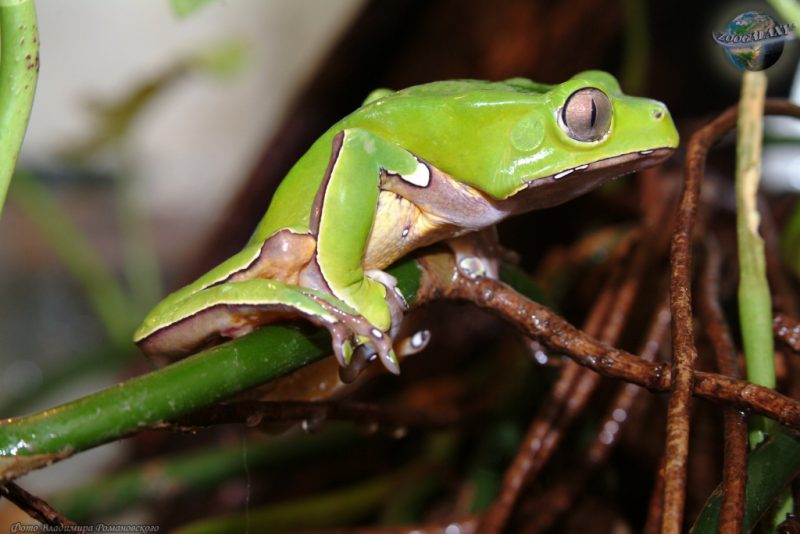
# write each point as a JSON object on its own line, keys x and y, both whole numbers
{"x": 175, "y": 390}
{"x": 755, "y": 302}
{"x": 19, "y": 69}
{"x": 35, "y": 440}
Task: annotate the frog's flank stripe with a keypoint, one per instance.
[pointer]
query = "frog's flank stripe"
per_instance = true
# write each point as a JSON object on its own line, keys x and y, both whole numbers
{"x": 319, "y": 200}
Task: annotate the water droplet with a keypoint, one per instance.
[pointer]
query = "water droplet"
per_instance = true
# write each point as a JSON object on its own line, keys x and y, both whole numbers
{"x": 541, "y": 358}
{"x": 369, "y": 428}
{"x": 255, "y": 419}
{"x": 471, "y": 266}
{"x": 399, "y": 432}
{"x": 612, "y": 427}
{"x": 312, "y": 425}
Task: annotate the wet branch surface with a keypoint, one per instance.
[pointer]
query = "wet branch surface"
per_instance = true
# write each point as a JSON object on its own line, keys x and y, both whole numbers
{"x": 541, "y": 323}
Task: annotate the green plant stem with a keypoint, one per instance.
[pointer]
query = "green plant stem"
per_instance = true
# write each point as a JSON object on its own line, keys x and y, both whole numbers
{"x": 789, "y": 10}
{"x": 172, "y": 391}
{"x": 199, "y": 380}
{"x": 755, "y": 302}
{"x": 19, "y": 70}
{"x": 77, "y": 254}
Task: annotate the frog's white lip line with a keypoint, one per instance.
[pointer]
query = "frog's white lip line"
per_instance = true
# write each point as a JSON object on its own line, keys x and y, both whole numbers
{"x": 655, "y": 153}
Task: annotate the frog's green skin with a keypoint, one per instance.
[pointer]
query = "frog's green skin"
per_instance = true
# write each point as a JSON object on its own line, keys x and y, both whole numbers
{"x": 408, "y": 169}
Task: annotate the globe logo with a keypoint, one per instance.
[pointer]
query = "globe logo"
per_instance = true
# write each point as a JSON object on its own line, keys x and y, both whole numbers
{"x": 753, "y": 40}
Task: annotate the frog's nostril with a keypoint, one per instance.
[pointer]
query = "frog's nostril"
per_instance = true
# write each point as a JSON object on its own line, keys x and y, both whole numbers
{"x": 658, "y": 113}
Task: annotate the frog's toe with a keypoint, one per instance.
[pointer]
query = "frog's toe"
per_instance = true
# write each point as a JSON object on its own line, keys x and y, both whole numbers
{"x": 381, "y": 344}
{"x": 414, "y": 343}
{"x": 343, "y": 350}
{"x": 367, "y": 340}
{"x": 362, "y": 357}
{"x": 390, "y": 362}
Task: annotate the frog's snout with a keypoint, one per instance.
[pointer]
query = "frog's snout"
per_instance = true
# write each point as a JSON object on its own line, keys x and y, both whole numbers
{"x": 659, "y": 111}
{"x": 662, "y": 125}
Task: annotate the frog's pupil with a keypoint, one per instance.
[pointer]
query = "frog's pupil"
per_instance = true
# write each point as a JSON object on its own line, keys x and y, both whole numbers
{"x": 594, "y": 114}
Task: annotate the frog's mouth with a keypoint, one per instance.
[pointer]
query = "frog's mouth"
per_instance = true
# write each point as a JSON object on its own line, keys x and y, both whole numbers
{"x": 555, "y": 189}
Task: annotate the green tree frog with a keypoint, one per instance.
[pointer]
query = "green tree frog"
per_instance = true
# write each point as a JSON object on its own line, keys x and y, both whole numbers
{"x": 409, "y": 168}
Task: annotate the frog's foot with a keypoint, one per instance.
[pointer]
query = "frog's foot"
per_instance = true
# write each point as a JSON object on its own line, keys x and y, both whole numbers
{"x": 477, "y": 254}
{"x": 355, "y": 338}
{"x": 413, "y": 344}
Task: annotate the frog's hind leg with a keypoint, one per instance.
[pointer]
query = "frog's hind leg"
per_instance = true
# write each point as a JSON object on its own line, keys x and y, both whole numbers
{"x": 342, "y": 219}
{"x": 232, "y": 309}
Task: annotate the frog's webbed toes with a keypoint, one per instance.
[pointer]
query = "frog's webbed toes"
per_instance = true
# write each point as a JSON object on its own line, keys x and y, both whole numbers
{"x": 354, "y": 336}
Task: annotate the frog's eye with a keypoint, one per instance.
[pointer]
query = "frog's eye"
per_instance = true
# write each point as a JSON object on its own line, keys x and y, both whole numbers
{"x": 586, "y": 116}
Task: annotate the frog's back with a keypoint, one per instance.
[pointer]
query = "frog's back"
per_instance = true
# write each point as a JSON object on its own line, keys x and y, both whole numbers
{"x": 425, "y": 119}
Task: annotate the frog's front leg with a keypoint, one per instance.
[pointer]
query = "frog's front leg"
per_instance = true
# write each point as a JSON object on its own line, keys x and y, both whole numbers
{"x": 478, "y": 254}
{"x": 342, "y": 220}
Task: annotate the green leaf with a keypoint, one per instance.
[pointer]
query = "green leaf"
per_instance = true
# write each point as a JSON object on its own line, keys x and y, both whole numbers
{"x": 770, "y": 468}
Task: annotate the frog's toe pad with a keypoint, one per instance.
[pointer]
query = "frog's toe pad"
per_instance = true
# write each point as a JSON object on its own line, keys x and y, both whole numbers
{"x": 354, "y": 334}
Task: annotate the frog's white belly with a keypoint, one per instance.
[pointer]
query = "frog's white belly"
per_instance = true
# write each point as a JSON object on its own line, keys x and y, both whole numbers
{"x": 401, "y": 227}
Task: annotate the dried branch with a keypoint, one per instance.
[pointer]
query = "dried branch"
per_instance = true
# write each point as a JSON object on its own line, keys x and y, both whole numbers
{"x": 684, "y": 350}
{"x": 734, "y": 474}
{"x": 545, "y": 432}
{"x": 571, "y": 393}
{"x": 35, "y": 507}
{"x": 541, "y": 323}
{"x": 544, "y": 512}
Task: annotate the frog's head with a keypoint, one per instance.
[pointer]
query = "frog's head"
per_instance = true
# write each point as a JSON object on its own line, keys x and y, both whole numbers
{"x": 584, "y": 133}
